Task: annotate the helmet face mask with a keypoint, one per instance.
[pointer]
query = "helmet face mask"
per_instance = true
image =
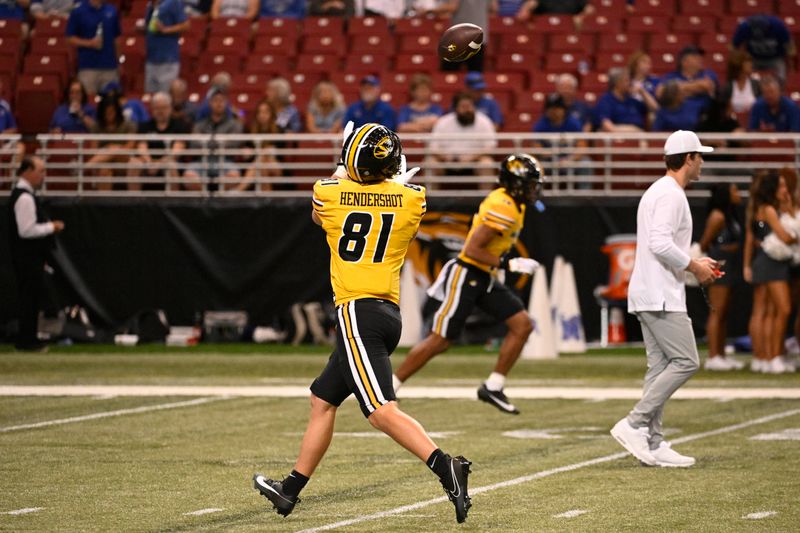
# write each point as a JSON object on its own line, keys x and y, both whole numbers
{"x": 371, "y": 154}
{"x": 522, "y": 177}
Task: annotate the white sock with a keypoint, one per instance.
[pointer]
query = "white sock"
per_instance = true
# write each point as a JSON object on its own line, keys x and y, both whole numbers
{"x": 495, "y": 382}
{"x": 396, "y": 383}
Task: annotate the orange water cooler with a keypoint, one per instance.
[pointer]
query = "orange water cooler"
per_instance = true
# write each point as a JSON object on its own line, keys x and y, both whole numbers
{"x": 613, "y": 298}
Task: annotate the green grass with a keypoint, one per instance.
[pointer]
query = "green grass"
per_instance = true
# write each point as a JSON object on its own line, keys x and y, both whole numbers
{"x": 143, "y": 472}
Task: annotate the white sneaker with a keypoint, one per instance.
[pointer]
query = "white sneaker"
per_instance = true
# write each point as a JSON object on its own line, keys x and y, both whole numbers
{"x": 756, "y": 365}
{"x": 667, "y": 457}
{"x": 775, "y": 366}
{"x": 635, "y": 440}
{"x": 735, "y": 363}
{"x": 717, "y": 364}
{"x": 789, "y": 363}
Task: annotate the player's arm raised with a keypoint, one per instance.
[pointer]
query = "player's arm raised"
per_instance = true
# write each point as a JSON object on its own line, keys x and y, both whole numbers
{"x": 476, "y": 247}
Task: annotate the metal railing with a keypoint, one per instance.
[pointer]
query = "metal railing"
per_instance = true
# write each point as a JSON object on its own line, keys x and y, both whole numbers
{"x": 287, "y": 165}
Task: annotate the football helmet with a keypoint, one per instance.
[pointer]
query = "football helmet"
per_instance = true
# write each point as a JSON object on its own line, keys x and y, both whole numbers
{"x": 371, "y": 154}
{"x": 522, "y": 177}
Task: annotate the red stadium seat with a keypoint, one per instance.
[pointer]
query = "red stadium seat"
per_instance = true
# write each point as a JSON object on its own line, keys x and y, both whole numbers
{"x": 553, "y": 24}
{"x": 543, "y": 82}
{"x": 131, "y": 68}
{"x": 321, "y": 63}
{"x": 395, "y": 98}
{"x": 789, "y": 7}
{"x": 418, "y": 44}
{"x": 190, "y": 47}
{"x": 392, "y": 81}
{"x": 669, "y": 42}
{"x": 444, "y": 99}
{"x": 520, "y": 121}
{"x": 250, "y": 82}
{"x": 718, "y": 62}
{"x": 571, "y": 42}
{"x": 56, "y": 65}
{"x": 246, "y": 100}
{"x": 413, "y": 63}
{"x": 607, "y": 61}
{"x": 420, "y": 26}
{"x": 197, "y": 29}
{"x": 602, "y": 23}
{"x": 595, "y": 82}
{"x": 52, "y": 26}
{"x": 702, "y": 7}
{"x": 728, "y": 24}
{"x": 367, "y": 26}
{"x": 230, "y": 26}
{"x": 523, "y": 42}
{"x": 506, "y": 25}
{"x": 323, "y": 26}
{"x": 212, "y": 63}
{"x": 344, "y": 79}
{"x": 226, "y": 44}
{"x": 532, "y": 102}
{"x": 694, "y": 23}
{"x": 366, "y": 63}
{"x": 663, "y": 63}
{"x": 335, "y": 45}
{"x": 504, "y": 81}
{"x": 10, "y": 28}
{"x": 750, "y": 7}
{"x": 564, "y": 62}
{"x": 131, "y": 25}
{"x": 371, "y": 43}
{"x": 610, "y": 7}
{"x": 10, "y": 47}
{"x": 644, "y": 24}
{"x": 285, "y": 27}
{"x": 654, "y": 7}
{"x": 518, "y": 62}
{"x": 715, "y": 42}
{"x": 131, "y": 45}
{"x": 620, "y": 42}
{"x": 279, "y": 45}
{"x": 138, "y": 8}
{"x": 9, "y": 65}
{"x": 36, "y": 99}
{"x": 450, "y": 81}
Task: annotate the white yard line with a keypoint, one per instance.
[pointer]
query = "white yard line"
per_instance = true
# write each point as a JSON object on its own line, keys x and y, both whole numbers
{"x": 545, "y": 473}
{"x": 570, "y": 514}
{"x": 27, "y": 510}
{"x": 297, "y": 391}
{"x": 759, "y": 516}
{"x": 107, "y": 414}
{"x": 201, "y": 512}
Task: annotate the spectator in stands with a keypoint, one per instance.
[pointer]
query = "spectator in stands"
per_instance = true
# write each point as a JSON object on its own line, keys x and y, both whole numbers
{"x": 132, "y": 108}
{"x": 42, "y": 9}
{"x": 287, "y": 117}
{"x": 262, "y": 153}
{"x": 698, "y": 84}
{"x": 247, "y": 9}
{"x": 76, "y": 114}
{"x": 462, "y": 154}
{"x": 222, "y": 81}
{"x": 165, "y": 21}
{"x": 567, "y": 87}
{"x": 420, "y": 114}
{"x": 617, "y": 110}
{"x": 390, "y": 9}
{"x": 742, "y": 88}
{"x": 197, "y": 8}
{"x": 556, "y": 120}
{"x": 7, "y": 122}
{"x": 718, "y": 118}
{"x": 157, "y": 158}
{"x": 110, "y": 121}
{"x": 93, "y": 27}
{"x": 283, "y": 8}
{"x": 325, "y": 109}
{"x": 475, "y": 85}
{"x": 577, "y": 8}
{"x": 674, "y": 114}
{"x": 766, "y": 38}
{"x": 212, "y": 166}
{"x": 522, "y": 10}
{"x": 773, "y": 111}
{"x": 182, "y": 108}
{"x": 13, "y": 9}
{"x": 639, "y": 68}
{"x": 331, "y": 8}
{"x": 431, "y": 8}
{"x": 370, "y": 108}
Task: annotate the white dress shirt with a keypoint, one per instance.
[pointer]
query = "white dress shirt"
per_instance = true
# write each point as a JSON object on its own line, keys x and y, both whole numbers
{"x": 663, "y": 236}
{"x": 25, "y": 212}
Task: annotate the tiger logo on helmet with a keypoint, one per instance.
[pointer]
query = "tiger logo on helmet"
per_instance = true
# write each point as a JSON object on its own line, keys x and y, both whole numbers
{"x": 522, "y": 177}
{"x": 371, "y": 154}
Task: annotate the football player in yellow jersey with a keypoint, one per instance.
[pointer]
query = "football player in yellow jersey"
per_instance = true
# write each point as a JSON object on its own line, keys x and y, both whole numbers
{"x": 370, "y": 217}
{"x": 470, "y": 280}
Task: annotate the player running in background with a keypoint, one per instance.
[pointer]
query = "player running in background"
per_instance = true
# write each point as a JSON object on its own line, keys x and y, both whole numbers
{"x": 470, "y": 280}
{"x": 370, "y": 217}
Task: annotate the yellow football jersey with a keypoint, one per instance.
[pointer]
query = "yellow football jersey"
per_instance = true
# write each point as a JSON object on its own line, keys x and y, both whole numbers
{"x": 368, "y": 228}
{"x": 501, "y": 213}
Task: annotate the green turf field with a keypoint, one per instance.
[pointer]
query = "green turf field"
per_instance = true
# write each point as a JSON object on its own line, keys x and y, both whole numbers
{"x": 146, "y": 463}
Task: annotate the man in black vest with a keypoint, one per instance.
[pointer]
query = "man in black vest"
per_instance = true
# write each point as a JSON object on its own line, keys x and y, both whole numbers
{"x": 31, "y": 240}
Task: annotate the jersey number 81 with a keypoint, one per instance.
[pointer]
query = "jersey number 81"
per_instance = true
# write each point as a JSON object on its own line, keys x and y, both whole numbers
{"x": 355, "y": 231}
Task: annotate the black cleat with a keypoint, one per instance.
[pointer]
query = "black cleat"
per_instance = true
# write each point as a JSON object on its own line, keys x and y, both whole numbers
{"x": 455, "y": 485}
{"x": 498, "y": 399}
{"x": 273, "y": 491}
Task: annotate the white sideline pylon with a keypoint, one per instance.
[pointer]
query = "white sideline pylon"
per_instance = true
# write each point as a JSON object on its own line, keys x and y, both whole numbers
{"x": 542, "y": 341}
{"x": 570, "y": 337}
{"x": 410, "y": 308}
{"x": 556, "y": 282}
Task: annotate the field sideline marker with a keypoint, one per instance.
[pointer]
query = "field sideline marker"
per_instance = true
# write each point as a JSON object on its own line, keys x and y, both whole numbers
{"x": 106, "y": 414}
{"x": 546, "y": 473}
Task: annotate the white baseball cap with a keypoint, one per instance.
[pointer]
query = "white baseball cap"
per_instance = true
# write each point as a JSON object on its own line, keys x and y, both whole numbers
{"x": 684, "y": 142}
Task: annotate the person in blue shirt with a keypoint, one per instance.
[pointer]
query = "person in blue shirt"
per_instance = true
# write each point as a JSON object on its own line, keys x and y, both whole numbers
{"x": 773, "y": 111}
{"x": 370, "y": 108}
{"x": 420, "y": 114}
{"x": 674, "y": 114}
{"x": 567, "y": 87}
{"x": 556, "y": 119}
{"x": 617, "y": 110}
{"x": 475, "y": 85}
{"x": 13, "y": 9}
{"x": 133, "y": 110}
{"x": 7, "y": 122}
{"x": 283, "y": 8}
{"x": 76, "y": 114}
{"x": 697, "y": 83}
{"x": 92, "y": 27}
{"x": 767, "y": 39}
{"x": 164, "y": 23}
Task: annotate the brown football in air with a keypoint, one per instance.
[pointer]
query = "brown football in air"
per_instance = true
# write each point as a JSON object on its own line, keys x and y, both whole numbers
{"x": 460, "y": 42}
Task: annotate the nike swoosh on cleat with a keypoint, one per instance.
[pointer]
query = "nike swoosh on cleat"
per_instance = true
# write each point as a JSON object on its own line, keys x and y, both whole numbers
{"x": 501, "y": 403}
{"x": 456, "y": 492}
{"x": 260, "y": 481}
